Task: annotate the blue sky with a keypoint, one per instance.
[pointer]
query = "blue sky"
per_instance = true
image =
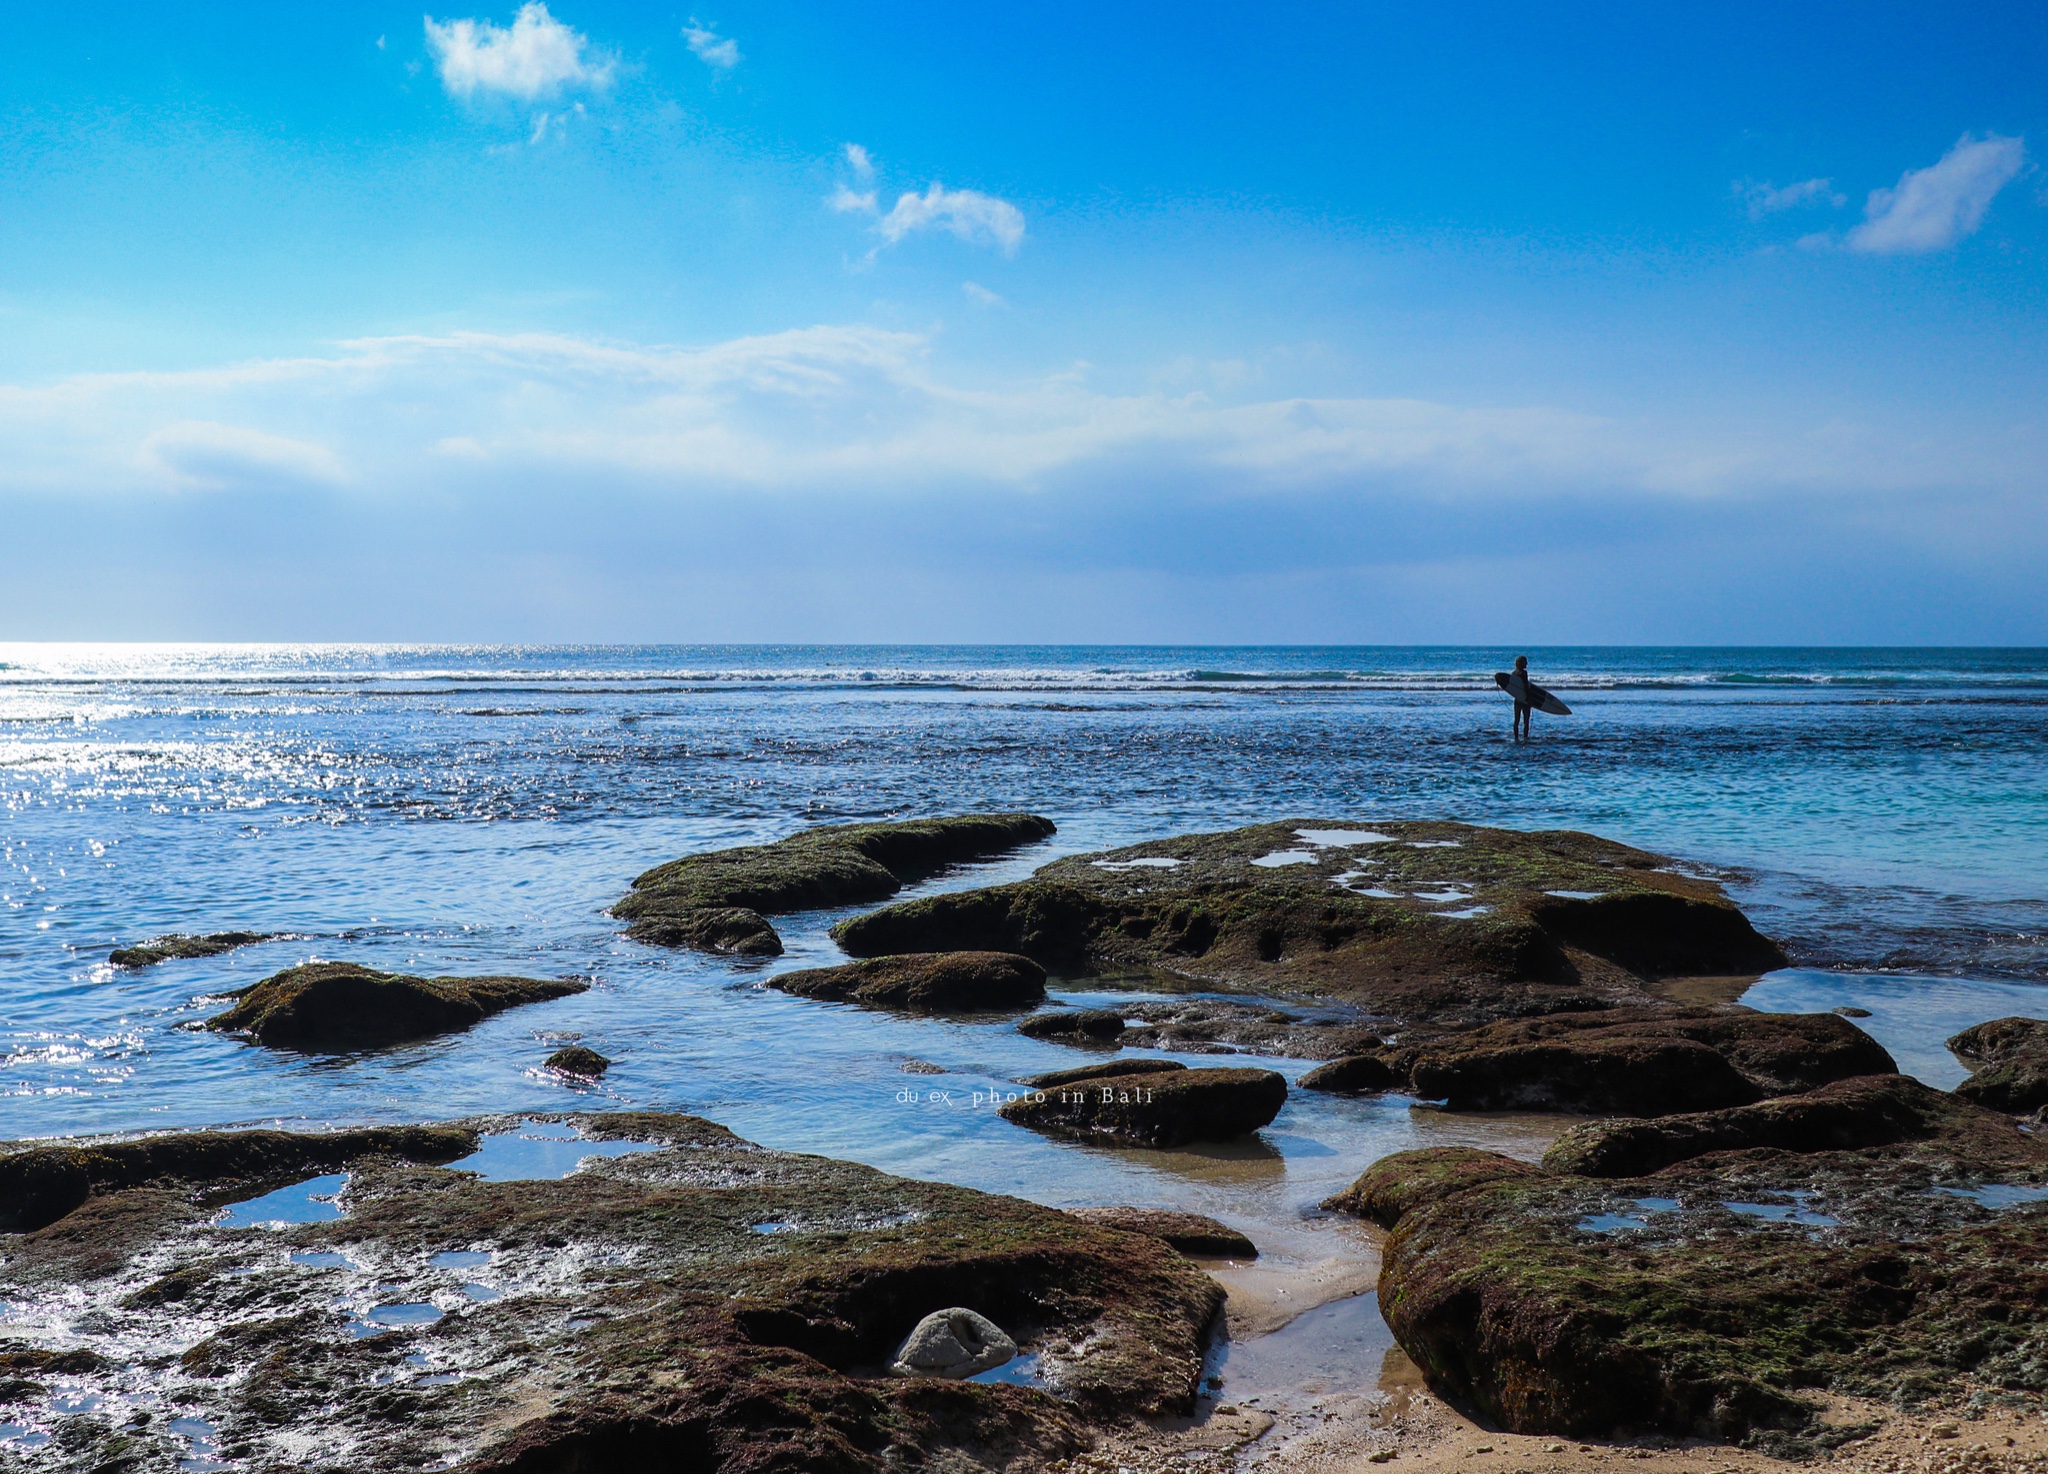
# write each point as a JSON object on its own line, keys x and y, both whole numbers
{"x": 594, "y": 321}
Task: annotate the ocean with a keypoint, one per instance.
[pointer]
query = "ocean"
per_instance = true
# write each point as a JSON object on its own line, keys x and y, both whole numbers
{"x": 475, "y": 809}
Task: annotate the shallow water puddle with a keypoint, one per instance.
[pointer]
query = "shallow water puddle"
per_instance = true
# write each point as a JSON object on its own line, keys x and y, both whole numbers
{"x": 1628, "y": 1222}
{"x": 1284, "y": 857}
{"x": 1997, "y": 1195}
{"x": 322, "y": 1259}
{"x": 1341, "y": 838}
{"x": 1795, "y": 1211}
{"x": 1018, "y": 1371}
{"x": 1576, "y": 895}
{"x": 1149, "y": 862}
{"x": 540, "y": 1151}
{"x": 383, "y": 1318}
{"x": 1336, "y": 1347}
{"x": 317, "y": 1200}
{"x": 202, "y": 1440}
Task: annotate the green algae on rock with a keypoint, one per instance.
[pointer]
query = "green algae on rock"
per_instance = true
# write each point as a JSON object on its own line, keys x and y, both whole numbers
{"x": 331, "y": 1007}
{"x": 164, "y": 948}
{"x": 719, "y": 901}
{"x": 1710, "y": 1297}
{"x": 925, "y": 982}
{"x": 1632, "y": 1061}
{"x": 1870, "y": 1111}
{"x": 1415, "y": 921}
{"x": 1194, "y": 1234}
{"x": 1157, "y": 1108}
{"x": 2010, "y": 1057}
{"x": 708, "y": 1305}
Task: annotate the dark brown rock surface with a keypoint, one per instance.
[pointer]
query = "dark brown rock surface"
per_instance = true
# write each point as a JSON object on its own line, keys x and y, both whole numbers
{"x": 718, "y": 901}
{"x": 925, "y": 982}
{"x": 1101, "y": 1025}
{"x": 2010, "y": 1056}
{"x": 1163, "y": 1108}
{"x": 1641, "y": 1061}
{"x": 331, "y": 1007}
{"x": 709, "y": 1305}
{"x": 577, "y": 1059}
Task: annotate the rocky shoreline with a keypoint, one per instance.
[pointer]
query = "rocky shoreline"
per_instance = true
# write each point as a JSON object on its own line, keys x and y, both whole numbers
{"x": 1763, "y": 1223}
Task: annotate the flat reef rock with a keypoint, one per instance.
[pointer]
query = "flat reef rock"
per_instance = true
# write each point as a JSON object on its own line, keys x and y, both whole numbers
{"x": 704, "y": 1304}
{"x": 1446, "y": 923}
{"x": 720, "y": 901}
{"x": 925, "y": 982}
{"x": 1156, "y": 1108}
{"x": 1874, "y": 1238}
{"x": 1634, "y": 1061}
{"x": 331, "y": 1007}
{"x": 1195, "y": 1234}
{"x": 164, "y": 948}
{"x": 2010, "y": 1056}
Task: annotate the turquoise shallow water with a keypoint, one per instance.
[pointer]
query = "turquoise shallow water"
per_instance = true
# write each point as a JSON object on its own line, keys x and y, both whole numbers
{"x": 475, "y": 810}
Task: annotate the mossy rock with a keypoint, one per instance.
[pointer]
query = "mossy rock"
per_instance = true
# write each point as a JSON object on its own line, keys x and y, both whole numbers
{"x": 1445, "y": 922}
{"x": 706, "y": 1305}
{"x": 176, "y": 944}
{"x": 929, "y": 982}
{"x": 718, "y": 901}
{"x": 332, "y": 1007}
{"x": 1717, "y": 1296}
{"x": 578, "y": 1059}
{"x": 1194, "y": 1234}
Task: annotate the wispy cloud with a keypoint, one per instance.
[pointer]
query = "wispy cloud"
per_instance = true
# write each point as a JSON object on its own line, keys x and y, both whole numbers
{"x": 1763, "y": 198}
{"x": 837, "y": 413}
{"x": 966, "y": 213}
{"x": 211, "y": 456}
{"x": 711, "y": 48}
{"x": 977, "y": 293}
{"x": 1933, "y": 208}
{"x": 857, "y": 198}
{"x": 538, "y": 56}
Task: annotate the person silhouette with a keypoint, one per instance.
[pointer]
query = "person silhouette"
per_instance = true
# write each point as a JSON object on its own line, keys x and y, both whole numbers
{"x": 1522, "y": 703}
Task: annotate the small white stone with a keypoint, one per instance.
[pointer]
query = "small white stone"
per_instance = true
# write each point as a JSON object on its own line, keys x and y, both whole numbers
{"x": 953, "y": 1343}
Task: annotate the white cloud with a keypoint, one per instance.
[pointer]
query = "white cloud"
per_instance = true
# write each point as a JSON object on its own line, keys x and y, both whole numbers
{"x": 842, "y": 413}
{"x": 1763, "y": 198}
{"x": 851, "y": 201}
{"x": 966, "y": 213}
{"x": 205, "y": 454}
{"x": 537, "y": 57}
{"x": 711, "y": 48}
{"x": 978, "y": 293}
{"x": 1931, "y": 209}
{"x": 857, "y": 160}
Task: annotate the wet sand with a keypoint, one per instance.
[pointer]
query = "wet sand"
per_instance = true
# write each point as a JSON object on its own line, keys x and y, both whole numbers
{"x": 1397, "y": 1424}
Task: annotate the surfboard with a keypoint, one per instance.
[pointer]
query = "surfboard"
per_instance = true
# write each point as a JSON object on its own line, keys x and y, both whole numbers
{"x": 1524, "y": 689}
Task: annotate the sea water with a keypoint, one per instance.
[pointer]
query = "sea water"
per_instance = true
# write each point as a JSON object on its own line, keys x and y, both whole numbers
{"x": 475, "y": 810}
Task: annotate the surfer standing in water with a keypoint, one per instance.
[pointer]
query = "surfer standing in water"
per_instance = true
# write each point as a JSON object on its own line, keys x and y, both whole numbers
{"x": 1529, "y": 697}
